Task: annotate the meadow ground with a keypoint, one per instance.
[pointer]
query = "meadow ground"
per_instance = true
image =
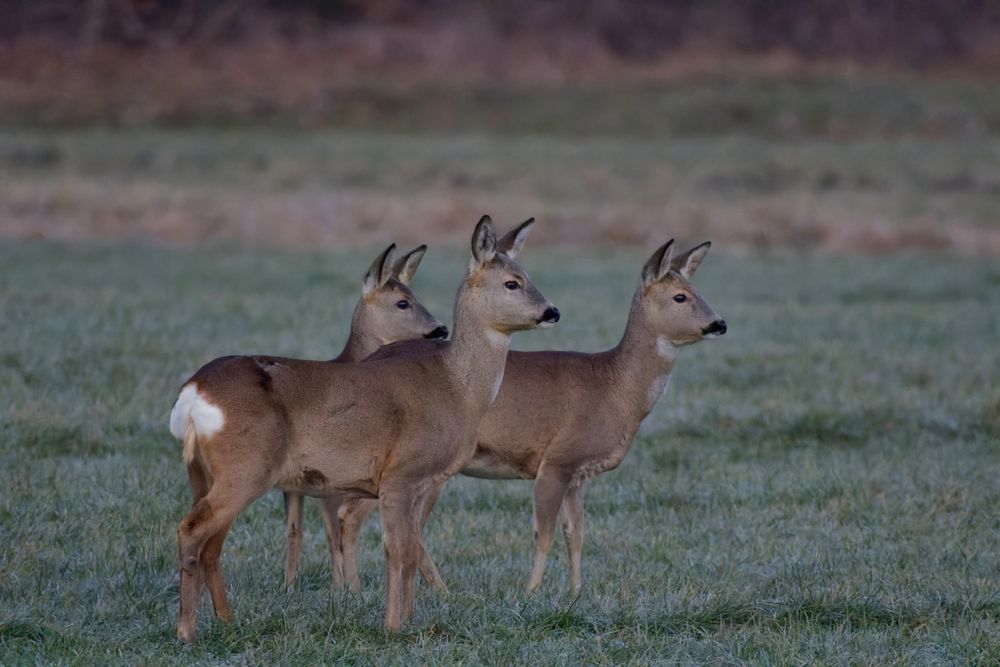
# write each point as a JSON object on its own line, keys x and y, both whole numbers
{"x": 819, "y": 485}
{"x": 842, "y": 164}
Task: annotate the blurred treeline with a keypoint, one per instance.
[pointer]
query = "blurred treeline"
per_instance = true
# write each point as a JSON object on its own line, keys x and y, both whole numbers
{"x": 901, "y": 32}
{"x": 831, "y": 68}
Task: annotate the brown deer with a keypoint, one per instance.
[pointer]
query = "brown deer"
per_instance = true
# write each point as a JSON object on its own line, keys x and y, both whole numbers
{"x": 388, "y": 311}
{"x": 561, "y": 418}
{"x": 394, "y": 429}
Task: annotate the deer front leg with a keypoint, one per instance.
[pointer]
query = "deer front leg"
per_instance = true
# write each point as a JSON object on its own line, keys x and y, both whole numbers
{"x": 550, "y": 488}
{"x": 572, "y": 513}
{"x": 352, "y": 517}
{"x": 414, "y": 550}
{"x": 428, "y": 570}
{"x": 293, "y": 538}
{"x": 330, "y": 508}
{"x": 399, "y": 525}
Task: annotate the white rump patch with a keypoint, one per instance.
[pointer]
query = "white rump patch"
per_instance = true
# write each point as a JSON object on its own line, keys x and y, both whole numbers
{"x": 191, "y": 404}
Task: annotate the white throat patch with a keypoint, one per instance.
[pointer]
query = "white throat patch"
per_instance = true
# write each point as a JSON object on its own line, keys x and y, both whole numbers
{"x": 496, "y": 387}
{"x": 497, "y": 339}
{"x": 665, "y": 349}
{"x": 656, "y": 389}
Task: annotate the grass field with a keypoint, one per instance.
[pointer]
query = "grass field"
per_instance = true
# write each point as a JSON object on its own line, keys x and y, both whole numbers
{"x": 819, "y": 485}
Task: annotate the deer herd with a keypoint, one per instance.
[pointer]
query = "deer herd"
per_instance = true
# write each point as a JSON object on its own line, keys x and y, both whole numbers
{"x": 403, "y": 408}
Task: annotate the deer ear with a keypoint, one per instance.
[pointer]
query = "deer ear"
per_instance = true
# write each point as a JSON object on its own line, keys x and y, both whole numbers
{"x": 512, "y": 242}
{"x": 484, "y": 241}
{"x": 380, "y": 271}
{"x": 689, "y": 262}
{"x": 408, "y": 263}
{"x": 658, "y": 264}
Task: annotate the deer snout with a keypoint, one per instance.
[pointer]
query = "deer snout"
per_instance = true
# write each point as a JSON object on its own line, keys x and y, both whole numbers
{"x": 550, "y": 316}
{"x": 440, "y": 332}
{"x": 716, "y": 328}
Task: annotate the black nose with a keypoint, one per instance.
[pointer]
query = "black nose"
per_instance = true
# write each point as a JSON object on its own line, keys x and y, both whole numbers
{"x": 440, "y": 332}
{"x": 551, "y": 315}
{"x": 716, "y": 327}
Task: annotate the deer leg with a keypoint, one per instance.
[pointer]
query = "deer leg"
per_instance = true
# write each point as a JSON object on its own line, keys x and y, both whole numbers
{"x": 550, "y": 488}
{"x": 209, "y": 516}
{"x": 330, "y": 508}
{"x": 428, "y": 570}
{"x": 352, "y": 517}
{"x": 572, "y": 513}
{"x": 213, "y": 575}
{"x": 198, "y": 481}
{"x": 397, "y": 510}
{"x": 293, "y": 538}
{"x": 411, "y": 558}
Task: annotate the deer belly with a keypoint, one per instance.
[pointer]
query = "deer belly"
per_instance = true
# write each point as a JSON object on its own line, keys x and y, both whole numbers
{"x": 312, "y": 482}
{"x": 485, "y": 465}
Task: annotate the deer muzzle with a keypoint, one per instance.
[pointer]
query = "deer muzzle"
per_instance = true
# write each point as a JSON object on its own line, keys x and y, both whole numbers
{"x": 440, "y": 332}
{"x": 716, "y": 328}
{"x": 549, "y": 317}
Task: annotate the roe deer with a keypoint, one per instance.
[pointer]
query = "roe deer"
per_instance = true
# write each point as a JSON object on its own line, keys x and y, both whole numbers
{"x": 511, "y": 243}
{"x": 388, "y": 311}
{"x": 394, "y": 429}
{"x": 561, "y": 418}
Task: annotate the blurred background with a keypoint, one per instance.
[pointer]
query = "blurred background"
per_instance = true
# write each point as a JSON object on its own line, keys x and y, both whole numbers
{"x": 185, "y": 179}
{"x": 840, "y": 125}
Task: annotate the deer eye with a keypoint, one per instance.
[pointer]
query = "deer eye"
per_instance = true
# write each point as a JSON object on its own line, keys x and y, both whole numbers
{"x": 680, "y": 298}
{"x": 512, "y": 285}
{"x": 402, "y": 304}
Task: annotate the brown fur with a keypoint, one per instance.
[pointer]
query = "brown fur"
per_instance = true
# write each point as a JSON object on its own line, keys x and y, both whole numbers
{"x": 410, "y": 425}
{"x": 563, "y": 417}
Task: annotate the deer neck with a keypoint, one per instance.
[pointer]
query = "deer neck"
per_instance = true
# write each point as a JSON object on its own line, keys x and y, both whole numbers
{"x": 642, "y": 360}
{"x": 476, "y": 356}
{"x": 360, "y": 344}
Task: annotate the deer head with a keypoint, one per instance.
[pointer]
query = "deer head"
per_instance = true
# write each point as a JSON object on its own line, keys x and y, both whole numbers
{"x": 498, "y": 288}
{"x": 671, "y": 306}
{"x": 389, "y": 310}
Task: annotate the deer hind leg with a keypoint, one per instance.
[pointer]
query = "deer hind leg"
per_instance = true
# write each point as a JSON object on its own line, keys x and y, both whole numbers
{"x": 330, "y": 508}
{"x": 209, "y": 517}
{"x": 198, "y": 480}
{"x": 428, "y": 570}
{"x": 550, "y": 488}
{"x": 293, "y": 537}
{"x": 352, "y": 517}
{"x": 400, "y": 523}
{"x": 199, "y": 483}
{"x": 572, "y": 514}
{"x": 213, "y": 575}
